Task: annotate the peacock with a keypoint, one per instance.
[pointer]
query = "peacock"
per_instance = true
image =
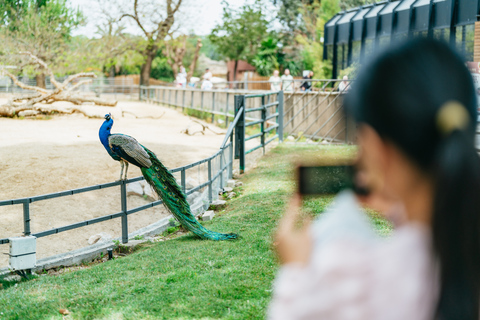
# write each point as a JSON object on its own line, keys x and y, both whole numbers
{"x": 127, "y": 150}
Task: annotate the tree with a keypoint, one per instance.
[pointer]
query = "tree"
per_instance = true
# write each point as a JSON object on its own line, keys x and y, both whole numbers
{"x": 241, "y": 32}
{"x": 27, "y": 104}
{"x": 175, "y": 51}
{"x": 155, "y": 28}
{"x": 42, "y": 27}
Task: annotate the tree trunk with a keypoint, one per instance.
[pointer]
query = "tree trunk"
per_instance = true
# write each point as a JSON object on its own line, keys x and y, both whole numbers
{"x": 147, "y": 68}
{"x": 111, "y": 74}
{"x": 193, "y": 65}
{"x": 235, "y": 73}
{"x": 40, "y": 79}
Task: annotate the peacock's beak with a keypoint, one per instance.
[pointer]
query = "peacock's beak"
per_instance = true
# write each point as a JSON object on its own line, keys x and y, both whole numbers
{"x": 108, "y": 116}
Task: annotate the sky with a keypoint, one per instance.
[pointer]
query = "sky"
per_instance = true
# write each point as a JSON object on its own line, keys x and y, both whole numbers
{"x": 203, "y": 15}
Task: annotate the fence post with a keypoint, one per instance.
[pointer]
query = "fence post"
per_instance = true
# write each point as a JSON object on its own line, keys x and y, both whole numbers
{"x": 201, "y": 101}
{"x": 240, "y": 132}
{"x": 123, "y": 196}
{"x": 183, "y": 104}
{"x": 221, "y": 169}
{"x": 226, "y": 111}
{"x": 280, "y": 115}
{"x": 210, "y": 182}
{"x": 182, "y": 179}
{"x": 192, "y": 99}
{"x": 230, "y": 166}
{"x": 140, "y": 93}
{"x": 176, "y": 98}
{"x": 26, "y": 218}
{"x": 262, "y": 125}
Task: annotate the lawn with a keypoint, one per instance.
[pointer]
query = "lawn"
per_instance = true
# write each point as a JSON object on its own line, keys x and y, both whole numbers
{"x": 186, "y": 278}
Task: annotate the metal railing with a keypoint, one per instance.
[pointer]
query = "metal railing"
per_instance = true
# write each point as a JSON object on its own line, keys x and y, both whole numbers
{"x": 220, "y": 169}
{"x": 225, "y": 152}
{"x": 266, "y": 115}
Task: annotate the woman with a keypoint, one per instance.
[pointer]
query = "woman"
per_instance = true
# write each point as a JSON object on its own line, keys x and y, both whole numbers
{"x": 415, "y": 107}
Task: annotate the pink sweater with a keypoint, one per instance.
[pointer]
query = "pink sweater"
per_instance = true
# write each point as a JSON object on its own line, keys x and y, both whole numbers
{"x": 355, "y": 274}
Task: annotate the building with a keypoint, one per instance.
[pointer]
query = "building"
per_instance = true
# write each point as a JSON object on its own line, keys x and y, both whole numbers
{"x": 352, "y": 35}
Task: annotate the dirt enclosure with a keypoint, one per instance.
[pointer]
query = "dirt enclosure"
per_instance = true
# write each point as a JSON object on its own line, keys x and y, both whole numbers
{"x": 44, "y": 156}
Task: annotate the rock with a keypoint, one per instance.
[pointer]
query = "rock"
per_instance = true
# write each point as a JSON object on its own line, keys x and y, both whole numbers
{"x": 100, "y": 237}
{"x": 218, "y": 203}
{"x": 324, "y": 142}
{"x": 238, "y": 184}
{"x": 28, "y": 113}
{"x": 192, "y": 197}
{"x": 227, "y": 189}
{"x": 231, "y": 195}
{"x": 231, "y": 183}
{"x": 94, "y": 239}
{"x": 208, "y": 215}
{"x": 290, "y": 138}
{"x": 310, "y": 141}
{"x": 148, "y": 191}
{"x": 135, "y": 188}
{"x": 190, "y": 183}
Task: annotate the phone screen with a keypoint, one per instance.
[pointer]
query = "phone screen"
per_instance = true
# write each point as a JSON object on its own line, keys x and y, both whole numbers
{"x": 318, "y": 180}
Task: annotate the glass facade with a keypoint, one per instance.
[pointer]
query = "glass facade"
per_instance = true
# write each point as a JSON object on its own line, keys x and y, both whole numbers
{"x": 363, "y": 30}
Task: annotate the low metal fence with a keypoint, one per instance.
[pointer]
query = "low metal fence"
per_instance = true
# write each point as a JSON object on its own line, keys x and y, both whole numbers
{"x": 216, "y": 180}
{"x": 265, "y": 109}
{"x": 220, "y": 168}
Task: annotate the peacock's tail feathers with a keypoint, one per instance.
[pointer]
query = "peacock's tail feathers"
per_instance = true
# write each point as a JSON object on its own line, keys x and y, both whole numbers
{"x": 165, "y": 185}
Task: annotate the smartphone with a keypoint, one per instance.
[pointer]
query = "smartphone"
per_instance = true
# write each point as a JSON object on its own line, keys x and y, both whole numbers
{"x": 321, "y": 180}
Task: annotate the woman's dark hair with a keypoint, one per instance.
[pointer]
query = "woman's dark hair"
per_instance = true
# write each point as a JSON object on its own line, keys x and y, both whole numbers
{"x": 400, "y": 94}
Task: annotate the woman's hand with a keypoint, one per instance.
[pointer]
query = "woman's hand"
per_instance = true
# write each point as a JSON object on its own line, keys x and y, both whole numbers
{"x": 293, "y": 243}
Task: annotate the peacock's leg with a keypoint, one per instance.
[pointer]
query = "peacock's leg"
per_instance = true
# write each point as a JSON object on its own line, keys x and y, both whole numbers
{"x": 121, "y": 171}
{"x": 126, "y": 169}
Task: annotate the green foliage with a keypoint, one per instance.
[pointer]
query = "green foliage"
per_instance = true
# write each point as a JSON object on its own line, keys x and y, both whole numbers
{"x": 161, "y": 70}
{"x": 41, "y": 27}
{"x": 267, "y": 58}
{"x": 240, "y": 32}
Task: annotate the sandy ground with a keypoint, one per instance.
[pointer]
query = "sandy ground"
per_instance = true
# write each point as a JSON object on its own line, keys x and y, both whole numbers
{"x": 45, "y": 156}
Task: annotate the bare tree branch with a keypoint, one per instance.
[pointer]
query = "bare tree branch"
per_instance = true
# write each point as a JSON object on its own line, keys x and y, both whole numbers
{"x": 21, "y": 84}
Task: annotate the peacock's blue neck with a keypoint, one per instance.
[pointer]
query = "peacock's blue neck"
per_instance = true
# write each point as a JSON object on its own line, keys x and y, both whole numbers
{"x": 104, "y": 133}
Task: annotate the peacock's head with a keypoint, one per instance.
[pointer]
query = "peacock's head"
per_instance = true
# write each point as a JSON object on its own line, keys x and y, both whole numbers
{"x": 108, "y": 116}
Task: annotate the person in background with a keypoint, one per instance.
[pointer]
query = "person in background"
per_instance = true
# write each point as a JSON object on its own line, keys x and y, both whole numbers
{"x": 415, "y": 109}
{"x": 307, "y": 85}
{"x": 208, "y": 74}
{"x": 287, "y": 81}
{"x": 275, "y": 82}
{"x": 207, "y": 80}
{"x": 182, "y": 78}
{"x": 344, "y": 84}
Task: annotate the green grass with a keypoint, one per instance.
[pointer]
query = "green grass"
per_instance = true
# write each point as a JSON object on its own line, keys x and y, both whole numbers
{"x": 186, "y": 278}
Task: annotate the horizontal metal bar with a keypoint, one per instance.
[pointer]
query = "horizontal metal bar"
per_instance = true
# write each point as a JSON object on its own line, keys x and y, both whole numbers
{"x": 276, "y": 114}
{"x": 268, "y": 105}
{"x": 254, "y": 136}
{"x": 190, "y": 191}
{"x": 253, "y": 149}
{"x": 4, "y": 241}
{"x": 270, "y": 140}
{"x": 254, "y": 109}
{"x": 261, "y": 94}
{"x": 248, "y": 124}
{"x": 271, "y": 128}
{"x": 77, "y": 225}
{"x": 146, "y": 206}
